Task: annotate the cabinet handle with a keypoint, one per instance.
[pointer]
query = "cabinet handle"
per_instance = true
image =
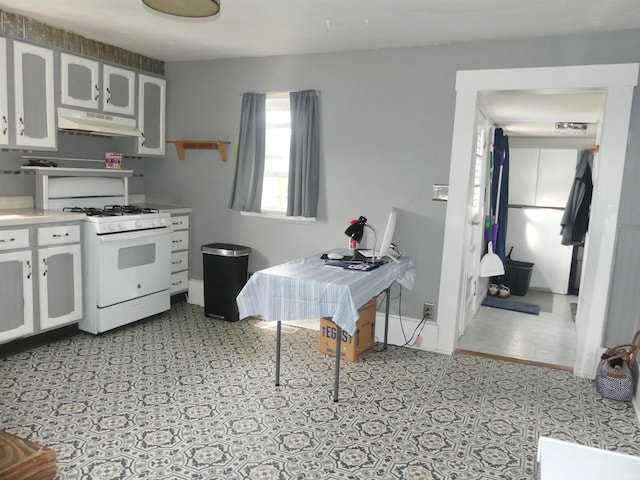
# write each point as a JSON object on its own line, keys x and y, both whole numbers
{"x": 57, "y": 235}
{"x": 4, "y": 124}
{"x": 29, "y": 267}
{"x": 7, "y": 240}
{"x": 108, "y": 95}
{"x": 176, "y": 284}
{"x": 144, "y": 139}
{"x": 97, "y": 92}
{"x": 177, "y": 263}
{"x": 175, "y": 241}
{"x": 44, "y": 262}
{"x": 22, "y": 123}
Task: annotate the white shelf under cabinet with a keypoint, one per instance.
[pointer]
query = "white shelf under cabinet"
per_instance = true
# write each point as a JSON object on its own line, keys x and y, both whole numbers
{"x": 79, "y": 172}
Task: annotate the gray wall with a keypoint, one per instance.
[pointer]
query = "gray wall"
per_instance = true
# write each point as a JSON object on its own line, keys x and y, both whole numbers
{"x": 387, "y": 118}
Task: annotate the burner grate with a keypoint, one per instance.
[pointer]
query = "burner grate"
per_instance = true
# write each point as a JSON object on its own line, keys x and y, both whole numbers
{"x": 111, "y": 210}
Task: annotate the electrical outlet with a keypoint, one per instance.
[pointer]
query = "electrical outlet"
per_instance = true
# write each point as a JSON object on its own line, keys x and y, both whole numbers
{"x": 428, "y": 311}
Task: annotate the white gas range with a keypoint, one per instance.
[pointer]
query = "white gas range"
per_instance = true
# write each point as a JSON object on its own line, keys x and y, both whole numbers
{"x": 126, "y": 265}
{"x": 126, "y": 250}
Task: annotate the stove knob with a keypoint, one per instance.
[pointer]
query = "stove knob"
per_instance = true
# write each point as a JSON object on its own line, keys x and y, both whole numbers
{"x": 111, "y": 226}
{"x": 156, "y": 222}
{"x": 139, "y": 223}
{"x": 163, "y": 221}
{"x": 121, "y": 226}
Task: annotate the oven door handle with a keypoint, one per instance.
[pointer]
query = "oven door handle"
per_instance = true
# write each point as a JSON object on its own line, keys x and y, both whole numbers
{"x": 140, "y": 234}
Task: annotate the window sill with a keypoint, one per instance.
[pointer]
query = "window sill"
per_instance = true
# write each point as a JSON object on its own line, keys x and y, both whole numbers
{"x": 279, "y": 216}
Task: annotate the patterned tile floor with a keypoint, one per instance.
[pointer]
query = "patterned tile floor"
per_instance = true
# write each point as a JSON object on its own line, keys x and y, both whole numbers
{"x": 182, "y": 396}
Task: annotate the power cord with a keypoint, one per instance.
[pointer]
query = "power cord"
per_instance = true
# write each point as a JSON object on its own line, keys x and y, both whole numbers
{"x": 416, "y": 331}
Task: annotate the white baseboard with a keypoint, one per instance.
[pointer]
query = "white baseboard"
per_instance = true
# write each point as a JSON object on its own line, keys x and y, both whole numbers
{"x": 400, "y": 332}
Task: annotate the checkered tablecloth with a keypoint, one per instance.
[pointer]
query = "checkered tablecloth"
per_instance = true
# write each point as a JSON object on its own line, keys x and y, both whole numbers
{"x": 306, "y": 288}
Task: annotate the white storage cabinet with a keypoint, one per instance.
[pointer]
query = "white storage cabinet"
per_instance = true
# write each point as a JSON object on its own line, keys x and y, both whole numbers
{"x": 179, "y": 254}
{"x": 47, "y": 294}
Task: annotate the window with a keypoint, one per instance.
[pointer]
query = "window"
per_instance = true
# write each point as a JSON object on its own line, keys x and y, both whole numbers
{"x": 277, "y": 145}
{"x": 278, "y": 155}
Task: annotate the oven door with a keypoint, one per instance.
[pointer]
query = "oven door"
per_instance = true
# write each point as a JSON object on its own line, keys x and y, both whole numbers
{"x": 132, "y": 265}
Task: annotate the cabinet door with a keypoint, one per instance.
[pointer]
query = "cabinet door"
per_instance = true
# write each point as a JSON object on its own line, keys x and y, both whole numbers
{"x": 79, "y": 81}
{"x": 16, "y": 295}
{"x": 4, "y": 97}
{"x": 556, "y": 170}
{"x": 523, "y": 174}
{"x": 34, "y": 99}
{"x": 59, "y": 279}
{"x": 151, "y": 115}
{"x": 119, "y": 90}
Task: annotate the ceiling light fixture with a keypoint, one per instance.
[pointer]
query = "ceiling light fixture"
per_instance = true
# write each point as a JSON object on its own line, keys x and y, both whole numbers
{"x": 185, "y": 8}
{"x": 576, "y": 127}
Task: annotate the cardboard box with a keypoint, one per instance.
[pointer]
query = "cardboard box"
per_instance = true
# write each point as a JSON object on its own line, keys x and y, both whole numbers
{"x": 356, "y": 346}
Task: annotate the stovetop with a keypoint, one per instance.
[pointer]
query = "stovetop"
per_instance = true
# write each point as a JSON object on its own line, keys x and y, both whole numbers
{"x": 122, "y": 218}
{"x": 111, "y": 210}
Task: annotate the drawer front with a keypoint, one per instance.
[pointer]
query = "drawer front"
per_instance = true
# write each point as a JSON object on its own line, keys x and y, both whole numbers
{"x": 12, "y": 239}
{"x": 59, "y": 234}
{"x": 180, "y": 240}
{"x": 179, "y": 282}
{"x": 179, "y": 261}
{"x": 180, "y": 223}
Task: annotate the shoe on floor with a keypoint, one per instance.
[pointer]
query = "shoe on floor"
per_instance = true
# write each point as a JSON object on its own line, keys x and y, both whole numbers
{"x": 493, "y": 289}
{"x": 504, "y": 291}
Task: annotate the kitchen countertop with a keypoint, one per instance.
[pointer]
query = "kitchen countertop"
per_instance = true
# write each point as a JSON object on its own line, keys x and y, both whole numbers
{"x": 11, "y": 217}
{"x": 28, "y": 216}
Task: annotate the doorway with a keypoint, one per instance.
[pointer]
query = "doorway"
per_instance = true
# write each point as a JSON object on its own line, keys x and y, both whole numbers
{"x": 618, "y": 82}
{"x": 542, "y": 161}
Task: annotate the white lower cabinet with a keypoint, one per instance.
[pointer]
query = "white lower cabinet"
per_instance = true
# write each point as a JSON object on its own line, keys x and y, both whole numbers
{"x": 60, "y": 291}
{"x": 179, "y": 254}
{"x": 36, "y": 297}
{"x": 16, "y": 295}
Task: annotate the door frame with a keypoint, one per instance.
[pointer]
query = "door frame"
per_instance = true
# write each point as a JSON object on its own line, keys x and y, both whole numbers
{"x": 618, "y": 82}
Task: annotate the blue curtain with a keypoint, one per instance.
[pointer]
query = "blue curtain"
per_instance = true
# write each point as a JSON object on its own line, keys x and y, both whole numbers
{"x": 304, "y": 157}
{"x": 247, "y": 184}
{"x": 500, "y": 155}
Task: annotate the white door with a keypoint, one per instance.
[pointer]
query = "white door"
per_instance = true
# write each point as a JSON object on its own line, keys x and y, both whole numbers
{"x": 16, "y": 295}
{"x": 473, "y": 284}
{"x": 59, "y": 280}
{"x": 151, "y": 114}
{"x": 79, "y": 81}
{"x": 35, "y": 123}
{"x": 119, "y": 95}
{"x": 4, "y": 97}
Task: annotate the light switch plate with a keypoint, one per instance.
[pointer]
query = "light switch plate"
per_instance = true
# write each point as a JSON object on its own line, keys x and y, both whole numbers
{"x": 440, "y": 192}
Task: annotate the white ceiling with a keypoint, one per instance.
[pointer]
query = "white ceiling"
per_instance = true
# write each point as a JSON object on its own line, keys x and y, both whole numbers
{"x": 535, "y": 115}
{"x": 257, "y": 28}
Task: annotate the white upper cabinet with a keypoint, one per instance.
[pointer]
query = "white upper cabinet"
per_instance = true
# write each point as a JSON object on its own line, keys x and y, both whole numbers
{"x": 541, "y": 177}
{"x": 119, "y": 90}
{"x": 4, "y": 97}
{"x": 34, "y": 117}
{"x": 79, "y": 81}
{"x": 151, "y": 114}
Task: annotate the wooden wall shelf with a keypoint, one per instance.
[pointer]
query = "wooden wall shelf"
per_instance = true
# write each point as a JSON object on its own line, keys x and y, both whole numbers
{"x": 182, "y": 145}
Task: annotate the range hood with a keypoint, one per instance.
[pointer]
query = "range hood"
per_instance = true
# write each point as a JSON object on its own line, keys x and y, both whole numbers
{"x": 96, "y": 123}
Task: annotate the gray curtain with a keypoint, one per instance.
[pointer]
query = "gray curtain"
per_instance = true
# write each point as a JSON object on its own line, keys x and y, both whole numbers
{"x": 304, "y": 155}
{"x": 247, "y": 184}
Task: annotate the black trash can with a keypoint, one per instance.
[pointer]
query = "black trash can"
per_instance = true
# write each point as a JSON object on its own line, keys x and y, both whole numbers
{"x": 517, "y": 276}
{"x": 225, "y": 268}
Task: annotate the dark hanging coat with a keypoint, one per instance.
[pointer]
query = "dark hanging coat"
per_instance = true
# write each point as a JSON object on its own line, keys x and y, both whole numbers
{"x": 575, "y": 220}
